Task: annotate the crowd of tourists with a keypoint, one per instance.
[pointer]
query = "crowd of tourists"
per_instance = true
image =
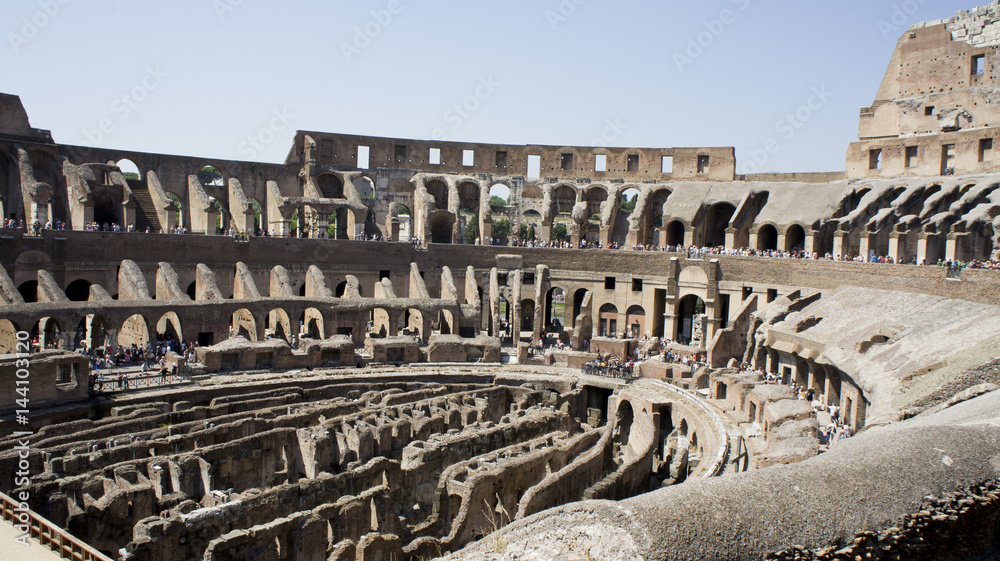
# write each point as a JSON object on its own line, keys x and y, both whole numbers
{"x": 831, "y": 431}
{"x": 610, "y": 366}
{"x": 109, "y": 364}
{"x": 692, "y": 252}
{"x": 691, "y": 360}
{"x": 372, "y": 238}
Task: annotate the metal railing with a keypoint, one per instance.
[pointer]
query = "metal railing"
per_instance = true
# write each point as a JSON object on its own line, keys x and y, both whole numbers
{"x": 61, "y": 542}
{"x": 617, "y": 371}
{"x": 112, "y": 384}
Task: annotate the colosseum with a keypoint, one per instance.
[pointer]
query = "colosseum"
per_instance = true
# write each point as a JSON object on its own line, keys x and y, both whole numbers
{"x": 393, "y": 349}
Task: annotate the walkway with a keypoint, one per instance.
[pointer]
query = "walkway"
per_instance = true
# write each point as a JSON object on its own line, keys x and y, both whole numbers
{"x": 10, "y": 550}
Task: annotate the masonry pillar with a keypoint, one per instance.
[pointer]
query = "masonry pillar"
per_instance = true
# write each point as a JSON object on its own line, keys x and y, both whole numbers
{"x": 670, "y": 326}
{"x": 895, "y": 246}
{"x": 810, "y": 241}
{"x": 730, "y": 238}
{"x": 210, "y": 218}
{"x": 356, "y": 223}
{"x": 810, "y": 375}
{"x": 957, "y": 244}
{"x": 358, "y": 333}
{"x": 575, "y": 235}
{"x": 544, "y": 231}
{"x": 67, "y": 340}
{"x": 393, "y": 328}
{"x": 839, "y": 244}
{"x": 110, "y": 337}
{"x": 632, "y": 239}
{"x": 128, "y": 215}
{"x": 922, "y": 248}
{"x": 865, "y": 245}
{"x": 711, "y": 327}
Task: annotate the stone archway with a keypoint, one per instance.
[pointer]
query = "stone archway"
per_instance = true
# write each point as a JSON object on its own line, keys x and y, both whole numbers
{"x": 441, "y": 227}
{"x": 767, "y": 238}
{"x": 689, "y": 309}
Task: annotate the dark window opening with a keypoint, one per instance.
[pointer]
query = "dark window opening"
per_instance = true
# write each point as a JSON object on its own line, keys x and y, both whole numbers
{"x": 64, "y": 374}
{"x": 912, "y": 153}
{"x": 947, "y": 159}
{"x": 703, "y": 162}
{"x": 501, "y": 160}
{"x": 632, "y": 164}
{"x": 985, "y": 149}
{"x": 874, "y": 159}
{"x": 383, "y": 275}
{"x": 929, "y": 110}
{"x": 400, "y": 154}
{"x": 529, "y": 278}
{"x": 725, "y": 312}
{"x": 772, "y": 295}
{"x": 566, "y": 164}
{"x": 609, "y": 283}
{"x": 978, "y": 65}
{"x": 636, "y": 285}
{"x": 747, "y": 293}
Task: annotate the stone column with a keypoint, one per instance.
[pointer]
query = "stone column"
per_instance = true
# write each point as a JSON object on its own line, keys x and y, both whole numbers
{"x": 128, "y": 215}
{"x": 839, "y": 244}
{"x": 110, "y": 337}
{"x": 632, "y": 239}
{"x": 67, "y": 340}
{"x": 810, "y": 241}
{"x": 896, "y": 245}
{"x": 670, "y": 326}
{"x": 393, "y": 322}
{"x": 922, "y": 248}
{"x": 957, "y": 246}
{"x": 868, "y": 244}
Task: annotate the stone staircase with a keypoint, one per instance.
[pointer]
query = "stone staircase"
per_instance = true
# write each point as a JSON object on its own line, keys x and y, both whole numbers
{"x": 145, "y": 210}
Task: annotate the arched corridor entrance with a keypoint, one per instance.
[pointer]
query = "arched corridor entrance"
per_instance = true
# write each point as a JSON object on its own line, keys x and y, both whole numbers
{"x": 767, "y": 238}
{"x": 689, "y": 307}
{"x": 675, "y": 233}
{"x": 441, "y": 224}
{"x": 795, "y": 238}
{"x": 608, "y": 320}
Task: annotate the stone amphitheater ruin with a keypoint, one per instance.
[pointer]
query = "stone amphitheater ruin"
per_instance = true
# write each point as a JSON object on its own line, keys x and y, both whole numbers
{"x": 379, "y": 400}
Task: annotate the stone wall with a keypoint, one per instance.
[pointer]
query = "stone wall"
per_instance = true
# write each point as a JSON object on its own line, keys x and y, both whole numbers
{"x": 44, "y": 379}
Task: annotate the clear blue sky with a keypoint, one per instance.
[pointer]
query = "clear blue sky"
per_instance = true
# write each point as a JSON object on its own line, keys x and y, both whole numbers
{"x": 201, "y": 77}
